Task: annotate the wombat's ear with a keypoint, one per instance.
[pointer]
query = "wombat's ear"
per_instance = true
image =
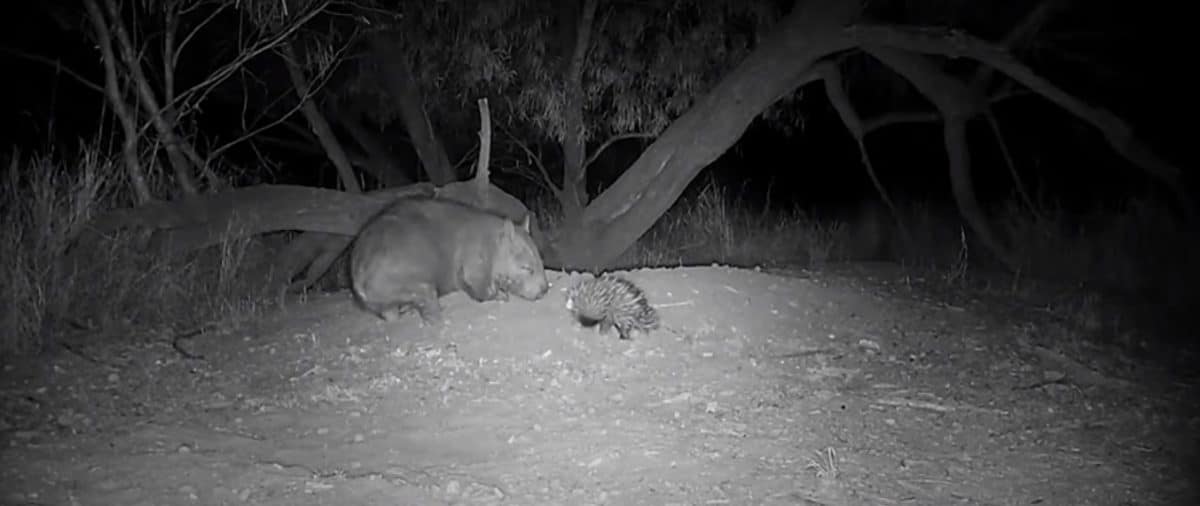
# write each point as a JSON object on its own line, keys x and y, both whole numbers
{"x": 525, "y": 222}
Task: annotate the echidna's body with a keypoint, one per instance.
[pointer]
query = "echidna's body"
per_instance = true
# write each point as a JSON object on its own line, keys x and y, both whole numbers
{"x": 611, "y": 302}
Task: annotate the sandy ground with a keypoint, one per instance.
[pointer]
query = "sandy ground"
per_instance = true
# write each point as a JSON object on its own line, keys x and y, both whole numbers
{"x": 845, "y": 386}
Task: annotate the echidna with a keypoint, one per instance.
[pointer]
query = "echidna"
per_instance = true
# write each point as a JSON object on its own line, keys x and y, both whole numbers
{"x": 610, "y": 301}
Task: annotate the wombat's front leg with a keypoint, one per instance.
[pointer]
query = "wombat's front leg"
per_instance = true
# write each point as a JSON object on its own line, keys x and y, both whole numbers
{"x": 428, "y": 306}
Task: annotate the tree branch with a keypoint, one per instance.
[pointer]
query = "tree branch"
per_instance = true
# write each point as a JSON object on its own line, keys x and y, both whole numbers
{"x": 316, "y": 120}
{"x": 196, "y": 93}
{"x": 133, "y": 167}
{"x": 887, "y": 120}
{"x": 303, "y": 97}
{"x": 956, "y": 44}
{"x": 836, "y": 93}
{"x": 537, "y": 162}
{"x": 1020, "y": 35}
{"x": 141, "y": 84}
{"x": 193, "y": 33}
{"x": 58, "y": 66}
{"x": 956, "y": 104}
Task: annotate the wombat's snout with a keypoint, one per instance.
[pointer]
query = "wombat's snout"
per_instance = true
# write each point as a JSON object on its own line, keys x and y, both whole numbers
{"x": 537, "y": 287}
{"x": 534, "y": 287}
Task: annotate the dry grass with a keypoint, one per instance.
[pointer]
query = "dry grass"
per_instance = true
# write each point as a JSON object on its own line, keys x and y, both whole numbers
{"x": 712, "y": 227}
{"x": 1139, "y": 250}
{"x": 44, "y": 203}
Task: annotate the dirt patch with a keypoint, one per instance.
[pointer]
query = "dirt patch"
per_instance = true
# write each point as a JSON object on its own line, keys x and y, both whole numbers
{"x": 838, "y": 387}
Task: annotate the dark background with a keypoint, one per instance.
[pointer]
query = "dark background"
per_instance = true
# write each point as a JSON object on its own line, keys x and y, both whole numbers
{"x": 1145, "y": 77}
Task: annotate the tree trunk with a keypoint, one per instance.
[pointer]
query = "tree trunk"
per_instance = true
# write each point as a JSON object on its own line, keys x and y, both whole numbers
{"x": 407, "y": 93}
{"x": 191, "y": 224}
{"x": 573, "y": 196}
{"x": 331, "y": 219}
{"x": 616, "y": 218}
{"x": 316, "y": 121}
{"x": 164, "y": 126}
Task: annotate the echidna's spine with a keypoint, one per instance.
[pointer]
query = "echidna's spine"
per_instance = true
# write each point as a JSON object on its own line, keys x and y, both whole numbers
{"x": 612, "y": 302}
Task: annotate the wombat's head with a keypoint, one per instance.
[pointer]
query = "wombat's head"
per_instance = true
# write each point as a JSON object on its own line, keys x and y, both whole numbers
{"x": 517, "y": 267}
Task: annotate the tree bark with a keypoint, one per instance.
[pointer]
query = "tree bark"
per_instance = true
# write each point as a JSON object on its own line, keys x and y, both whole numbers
{"x": 316, "y": 121}
{"x": 407, "y": 92}
{"x": 617, "y": 217}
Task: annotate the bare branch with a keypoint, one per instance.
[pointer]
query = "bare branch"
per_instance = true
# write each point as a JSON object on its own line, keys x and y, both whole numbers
{"x": 957, "y": 104}
{"x": 1116, "y": 131}
{"x": 303, "y": 97}
{"x": 133, "y": 167}
{"x": 1008, "y": 161}
{"x": 58, "y": 66}
{"x": 171, "y": 22}
{"x": 1020, "y": 35}
{"x": 200, "y": 90}
{"x": 192, "y": 34}
{"x": 316, "y": 121}
{"x": 141, "y": 85}
{"x": 1003, "y": 95}
{"x": 537, "y": 162}
{"x": 836, "y": 92}
{"x": 886, "y": 120}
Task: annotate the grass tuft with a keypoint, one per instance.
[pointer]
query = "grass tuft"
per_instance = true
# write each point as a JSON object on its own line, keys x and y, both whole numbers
{"x": 45, "y": 203}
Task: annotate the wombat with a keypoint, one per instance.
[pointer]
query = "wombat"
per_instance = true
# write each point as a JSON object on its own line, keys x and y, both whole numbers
{"x": 419, "y": 249}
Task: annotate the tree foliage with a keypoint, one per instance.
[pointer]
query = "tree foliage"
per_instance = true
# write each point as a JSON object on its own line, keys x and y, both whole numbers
{"x": 645, "y": 65}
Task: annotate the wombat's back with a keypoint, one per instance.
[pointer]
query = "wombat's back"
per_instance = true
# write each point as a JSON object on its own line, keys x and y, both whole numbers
{"x": 418, "y": 249}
